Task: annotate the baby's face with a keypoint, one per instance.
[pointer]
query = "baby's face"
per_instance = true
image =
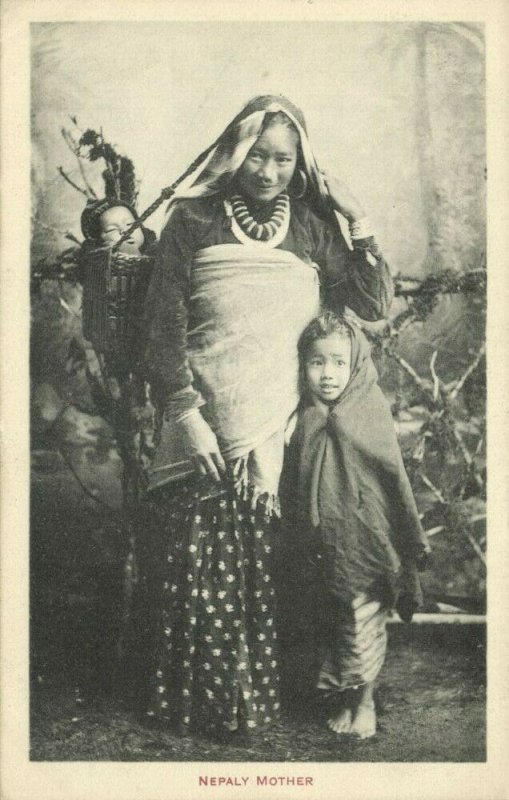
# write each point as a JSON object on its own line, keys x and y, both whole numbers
{"x": 327, "y": 367}
{"x": 114, "y": 221}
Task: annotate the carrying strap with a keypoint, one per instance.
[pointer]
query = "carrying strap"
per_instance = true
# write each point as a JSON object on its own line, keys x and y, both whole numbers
{"x": 166, "y": 194}
{"x": 311, "y": 167}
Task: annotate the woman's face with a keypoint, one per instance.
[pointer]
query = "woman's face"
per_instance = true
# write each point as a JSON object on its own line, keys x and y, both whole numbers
{"x": 269, "y": 166}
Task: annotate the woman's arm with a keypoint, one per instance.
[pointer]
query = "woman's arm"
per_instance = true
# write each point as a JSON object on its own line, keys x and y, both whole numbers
{"x": 166, "y": 317}
{"x": 359, "y": 278}
{"x": 166, "y": 354}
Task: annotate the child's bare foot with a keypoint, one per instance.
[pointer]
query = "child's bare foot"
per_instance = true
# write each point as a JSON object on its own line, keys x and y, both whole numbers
{"x": 342, "y": 722}
{"x": 364, "y": 721}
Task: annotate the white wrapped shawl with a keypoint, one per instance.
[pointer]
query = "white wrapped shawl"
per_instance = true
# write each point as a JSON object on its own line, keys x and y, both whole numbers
{"x": 248, "y": 306}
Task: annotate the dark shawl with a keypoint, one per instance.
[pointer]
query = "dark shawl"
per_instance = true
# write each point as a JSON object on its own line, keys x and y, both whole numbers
{"x": 352, "y": 487}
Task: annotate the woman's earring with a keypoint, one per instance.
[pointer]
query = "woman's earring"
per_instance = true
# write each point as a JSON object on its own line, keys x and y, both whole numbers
{"x": 304, "y": 181}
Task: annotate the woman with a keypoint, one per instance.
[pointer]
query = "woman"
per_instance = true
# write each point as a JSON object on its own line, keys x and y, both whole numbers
{"x": 250, "y": 249}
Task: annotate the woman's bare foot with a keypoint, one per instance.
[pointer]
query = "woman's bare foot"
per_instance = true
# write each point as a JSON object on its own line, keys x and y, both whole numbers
{"x": 364, "y": 721}
{"x": 342, "y": 722}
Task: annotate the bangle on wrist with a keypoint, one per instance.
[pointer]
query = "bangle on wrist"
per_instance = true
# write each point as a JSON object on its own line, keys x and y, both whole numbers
{"x": 191, "y": 412}
{"x": 360, "y": 228}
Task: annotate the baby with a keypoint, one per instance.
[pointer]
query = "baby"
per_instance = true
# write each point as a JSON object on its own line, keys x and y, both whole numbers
{"x": 105, "y": 221}
{"x": 352, "y": 507}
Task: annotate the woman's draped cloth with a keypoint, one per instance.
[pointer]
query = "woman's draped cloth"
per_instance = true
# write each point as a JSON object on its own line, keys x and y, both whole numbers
{"x": 248, "y": 307}
{"x": 353, "y": 488}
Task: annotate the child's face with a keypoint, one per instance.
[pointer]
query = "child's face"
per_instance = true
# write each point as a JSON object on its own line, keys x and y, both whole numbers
{"x": 327, "y": 367}
{"x": 114, "y": 221}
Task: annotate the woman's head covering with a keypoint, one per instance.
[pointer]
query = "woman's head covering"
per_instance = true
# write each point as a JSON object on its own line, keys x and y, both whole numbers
{"x": 228, "y": 153}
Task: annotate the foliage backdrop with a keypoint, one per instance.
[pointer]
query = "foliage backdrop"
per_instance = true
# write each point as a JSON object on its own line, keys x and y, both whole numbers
{"x": 396, "y": 109}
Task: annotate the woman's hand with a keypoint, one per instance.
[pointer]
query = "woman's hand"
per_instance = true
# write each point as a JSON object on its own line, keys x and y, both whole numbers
{"x": 201, "y": 445}
{"x": 343, "y": 199}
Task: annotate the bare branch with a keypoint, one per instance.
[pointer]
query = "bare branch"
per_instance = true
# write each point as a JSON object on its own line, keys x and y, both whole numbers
{"x": 444, "y": 282}
{"x": 433, "y": 531}
{"x": 52, "y": 229}
{"x": 406, "y": 324}
{"x": 72, "y": 238}
{"x": 436, "y": 381}
{"x": 479, "y": 446}
{"x": 420, "y": 448}
{"x": 473, "y": 366}
{"x": 74, "y": 147}
{"x": 71, "y": 144}
{"x": 413, "y": 374}
{"x": 90, "y": 189}
{"x": 467, "y": 456}
{"x": 74, "y": 185}
{"x": 438, "y": 494}
{"x": 476, "y": 547}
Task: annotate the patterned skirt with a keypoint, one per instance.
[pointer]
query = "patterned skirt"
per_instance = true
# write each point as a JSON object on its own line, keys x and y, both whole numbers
{"x": 205, "y": 610}
{"x": 356, "y": 646}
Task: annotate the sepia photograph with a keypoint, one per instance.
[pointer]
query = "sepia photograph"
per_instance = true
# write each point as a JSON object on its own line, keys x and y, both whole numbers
{"x": 257, "y": 406}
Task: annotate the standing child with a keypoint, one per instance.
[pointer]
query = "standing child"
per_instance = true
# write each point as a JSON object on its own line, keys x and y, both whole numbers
{"x": 356, "y": 512}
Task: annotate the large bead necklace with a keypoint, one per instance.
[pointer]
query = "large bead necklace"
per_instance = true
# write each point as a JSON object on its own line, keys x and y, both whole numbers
{"x": 264, "y": 231}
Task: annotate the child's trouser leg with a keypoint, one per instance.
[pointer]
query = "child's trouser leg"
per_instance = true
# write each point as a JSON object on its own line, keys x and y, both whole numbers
{"x": 355, "y": 657}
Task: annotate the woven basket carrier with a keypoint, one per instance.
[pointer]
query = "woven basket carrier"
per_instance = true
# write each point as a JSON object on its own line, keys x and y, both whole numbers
{"x": 114, "y": 290}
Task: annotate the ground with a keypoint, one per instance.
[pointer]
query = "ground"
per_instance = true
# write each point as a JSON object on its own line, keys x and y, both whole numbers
{"x": 431, "y": 701}
{"x": 431, "y": 696}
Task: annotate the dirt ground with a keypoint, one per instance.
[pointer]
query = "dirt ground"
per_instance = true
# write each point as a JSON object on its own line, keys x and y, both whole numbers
{"x": 431, "y": 695}
{"x": 431, "y": 702}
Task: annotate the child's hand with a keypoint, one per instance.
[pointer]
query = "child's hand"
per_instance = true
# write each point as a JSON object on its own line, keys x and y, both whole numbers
{"x": 406, "y": 606}
{"x": 423, "y": 558}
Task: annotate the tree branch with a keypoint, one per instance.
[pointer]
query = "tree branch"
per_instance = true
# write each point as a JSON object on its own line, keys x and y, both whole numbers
{"x": 52, "y": 229}
{"x": 90, "y": 191}
{"x": 436, "y": 380}
{"x": 467, "y": 456}
{"x": 411, "y": 371}
{"x": 75, "y": 150}
{"x": 74, "y": 185}
{"x": 473, "y": 366}
{"x": 438, "y": 494}
{"x": 475, "y": 546}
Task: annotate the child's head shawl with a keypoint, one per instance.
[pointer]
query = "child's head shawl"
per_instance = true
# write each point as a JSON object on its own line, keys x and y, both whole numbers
{"x": 363, "y": 374}
{"x": 361, "y": 428}
{"x": 228, "y": 153}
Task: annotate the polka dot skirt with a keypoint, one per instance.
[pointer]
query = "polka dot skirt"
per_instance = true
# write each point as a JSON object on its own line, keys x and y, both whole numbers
{"x": 215, "y": 662}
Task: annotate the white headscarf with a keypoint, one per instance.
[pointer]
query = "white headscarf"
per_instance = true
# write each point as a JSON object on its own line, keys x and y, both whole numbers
{"x": 230, "y": 150}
